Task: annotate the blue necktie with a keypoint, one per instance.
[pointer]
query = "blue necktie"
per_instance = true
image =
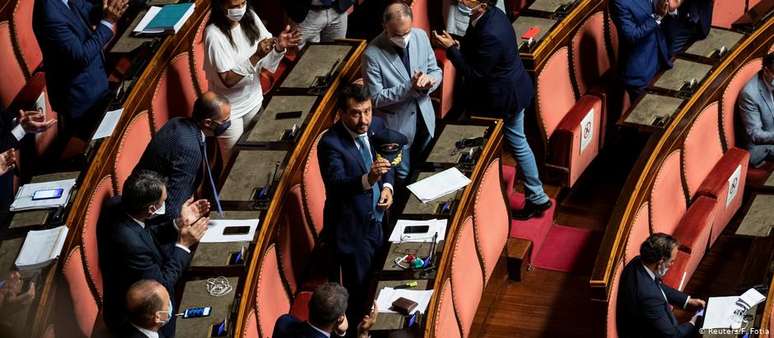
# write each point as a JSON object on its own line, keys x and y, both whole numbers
{"x": 212, "y": 181}
{"x": 365, "y": 153}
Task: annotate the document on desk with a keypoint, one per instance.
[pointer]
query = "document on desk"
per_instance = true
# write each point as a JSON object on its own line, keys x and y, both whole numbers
{"x": 439, "y": 185}
{"x": 389, "y": 295}
{"x": 218, "y": 231}
{"x": 41, "y": 247}
{"x": 108, "y": 124}
{"x": 24, "y": 197}
{"x": 435, "y": 226}
{"x": 728, "y": 312}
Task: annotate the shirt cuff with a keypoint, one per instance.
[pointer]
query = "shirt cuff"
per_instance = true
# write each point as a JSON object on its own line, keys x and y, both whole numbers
{"x": 183, "y": 247}
{"x": 18, "y": 132}
{"x": 364, "y": 181}
{"x": 388, "y": 186}
{"x": 686, "y": 302}
{"x": 673, "y": 13}
{"x": 174, "y": 224}
{"x": 107, "y": 24}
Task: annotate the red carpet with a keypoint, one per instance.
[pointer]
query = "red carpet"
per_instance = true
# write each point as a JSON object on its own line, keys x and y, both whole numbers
{"x": 535, "y": 229}
{"x": 568, "y": 249}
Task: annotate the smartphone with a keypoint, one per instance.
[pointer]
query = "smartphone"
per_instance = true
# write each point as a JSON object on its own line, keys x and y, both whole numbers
{"x": 47, "y": 194}
{"x": 196, "y": 312}
{"x": 237, "y": 230}
{"x": 532, "y": 32}
{"x": 288, "y": 115}
{"x": 416, "y": 229}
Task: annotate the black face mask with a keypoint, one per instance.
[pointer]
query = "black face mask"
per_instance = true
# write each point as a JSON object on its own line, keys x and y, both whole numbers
{"x": 221, "y": 128}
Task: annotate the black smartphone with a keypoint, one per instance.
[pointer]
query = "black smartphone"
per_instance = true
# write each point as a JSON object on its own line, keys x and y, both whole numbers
{"x": 416, "y": 229}
{"x": 288, "y": 115}
{"x": 236, "y": 230}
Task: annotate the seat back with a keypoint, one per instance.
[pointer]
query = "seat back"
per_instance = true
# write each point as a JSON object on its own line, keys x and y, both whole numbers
{"x": 491, "y": 221}
{"x": 612, "y": 36}
{"x": 725, "y": 12}
{"x": 467, "y": 279}
{"x": 134, "y": 140}
{"x": 197, "y": 57}
{"x": 728, "y": 116}
{"x": 612, "y": 302}
{"x": 667, "y": 199}
{"x": 271, "y": 300}
{"x": 588, "y": 53}
{"x": 251, "y": 327}
{"x": 555, "y": 96}
{"x": 701, "y": 148}
{"x": 421, "y": 15}
{"x": 313, "y": 188}
{"x": 85, "y": 306}
{"x": 445, "y": 325}
{"x": 296, "y": 238}
{"x": 639, "y": 233}
{"x": 13, "y": 75}
{"x": 101, "y": 194}
{"x": 175, "y": 93}
{"x": 24, "y": 37}
{"x": 45, "y": 139}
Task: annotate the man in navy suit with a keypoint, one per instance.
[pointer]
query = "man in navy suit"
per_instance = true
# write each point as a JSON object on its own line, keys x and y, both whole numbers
{"x": 644, "y": 49}
{"x": 149, "y": 307}
{"x": 496, "y": 84}
{"x": 327, "y": 317}
{"x": 689, "y": 20}
{"x": 358, "y": 190}
{"x": 178, "y": 151}
{"x": 643, "y": 300}
{"x": 73, "y": 57}
{"x": 132, "y": 249}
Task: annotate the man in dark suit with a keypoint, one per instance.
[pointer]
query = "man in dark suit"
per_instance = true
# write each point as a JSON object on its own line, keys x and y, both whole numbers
{"x": 149, "y": 308}
{"x": 644, "y": 49}
{"x": 358, "y": 189}
{"x": 178, "y": 151}
{"x": 131, "y": 249}
{"x": 73, "y": 58}
{"x": 326, "y": 317}
{"x": 319, "y": 20}
{"x": 643, "y": 300}
{"x": 496, "y": 84}
{"x": 689, "y": 20}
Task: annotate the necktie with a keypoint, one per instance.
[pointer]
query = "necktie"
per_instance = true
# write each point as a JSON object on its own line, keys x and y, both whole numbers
{"x": 212, "y": 181}
{"x": 365, "y": 154}
{"x": 326, "y": 3}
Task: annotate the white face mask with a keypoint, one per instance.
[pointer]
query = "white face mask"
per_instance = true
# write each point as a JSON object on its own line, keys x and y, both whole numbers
{"x": 161, "y": 210}
{"x": 662, "y": 270}
{"x": 236, "y": 14}
{"x": 401, "y": 41}
{"x": 169, "y": 314}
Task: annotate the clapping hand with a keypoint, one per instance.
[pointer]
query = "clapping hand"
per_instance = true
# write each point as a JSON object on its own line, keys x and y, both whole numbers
{"x": 7, "y": 160}
{"x": 444, "y": 39}
{"x": 421, "y": 81}
{"x": 114, "y": 9}
{"x": 289, "y": 38}
{"x": 192, "y": 211}
{"x": 34, "y": 121}
{"x": 368, "y": 322}
{"x": 264, "y": 47}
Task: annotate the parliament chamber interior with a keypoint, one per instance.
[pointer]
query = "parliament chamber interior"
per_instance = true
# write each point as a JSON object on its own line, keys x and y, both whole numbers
{"x": 619, "y": 165}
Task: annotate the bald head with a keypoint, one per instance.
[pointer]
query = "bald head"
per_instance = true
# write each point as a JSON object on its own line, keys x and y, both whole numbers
{"x": 397, "y": 19}
{"x": 211, "y": 105}
{"x": 144, "y": 300}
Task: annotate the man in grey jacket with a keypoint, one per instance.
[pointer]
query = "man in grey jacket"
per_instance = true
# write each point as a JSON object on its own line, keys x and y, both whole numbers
{"x": 756, "y": 107}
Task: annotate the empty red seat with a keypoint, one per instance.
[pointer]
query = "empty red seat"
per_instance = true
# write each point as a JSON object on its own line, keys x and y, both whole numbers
{"x": 571, "y": 128}
{"x": 134, "y": 140}
{"x": 13, "y": 75}
{"x": 612, "y": 301}
{"x": 639, "y": 232}
{"x": 467, "y": 279}
{"x": 175, "y": 93}
{"x": 445, "y": 321}
{"x": 589, "y": 54}
{"x": 85, "y": 305}
{"x": 102, "y": 192}
{"x": 296, "y": 239}
{"x": 313, "y": 188}
{"x": 491, "y": 221}
{"x": 197, "y": 56}
{"x": 21, "y": 29}
{"x": 251, "y": 327}
{"x": 726, "y": 12}
{"x": 271, "y": 299}
{"x": 728, "y": 100}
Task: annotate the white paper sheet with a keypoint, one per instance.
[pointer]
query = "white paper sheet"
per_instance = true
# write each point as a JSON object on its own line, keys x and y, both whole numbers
{"x": 439, "y": 185}
{"x": 733, "y": 184}
{"x": 108, "y": 124}
{"x": 24, "y": 200}
{"x": 40, "y": 104}
{"x": 152, "y": 12}
{"x": 435, "y": 226}
{"x": 215, "y": 229}
{"x": 719, "y": 311}
{"x": 752, "y": 298}
{"x": 41, "y": 247}
{"x": 389, "y": 295}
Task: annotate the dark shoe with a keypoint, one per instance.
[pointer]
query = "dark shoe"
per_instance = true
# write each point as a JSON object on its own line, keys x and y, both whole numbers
{"x": 530, "y": 210}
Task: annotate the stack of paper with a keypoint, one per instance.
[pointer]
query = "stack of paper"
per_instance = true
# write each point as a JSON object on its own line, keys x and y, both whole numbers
{"x": 24, "y": 199}
{"x": 108, "y": 124}
{"x": 439, "y": 185}
{"x": 162, "y": 19}
{"x": 389, "y": 295}
{"x": 435, "y": 226}
{"x": 41, "y": 247}
{"x": 215, "y": 229}
{"x": 728, "y": 312}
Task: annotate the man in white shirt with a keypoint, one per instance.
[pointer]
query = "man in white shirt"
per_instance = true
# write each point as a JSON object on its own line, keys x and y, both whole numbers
{"x": 149, "y": 308}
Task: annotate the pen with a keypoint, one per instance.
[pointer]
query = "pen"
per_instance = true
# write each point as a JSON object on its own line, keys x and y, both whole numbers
{"x": 407, "y": 285}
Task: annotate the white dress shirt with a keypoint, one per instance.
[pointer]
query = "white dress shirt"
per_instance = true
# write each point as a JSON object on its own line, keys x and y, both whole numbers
{"x": 326, "y": 334}
{"x": 354, "y": 135}
{"x": 146, "y": 332}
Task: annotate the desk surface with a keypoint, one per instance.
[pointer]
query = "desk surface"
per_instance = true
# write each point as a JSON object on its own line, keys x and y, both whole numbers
{"x": 759, "y": 218}
{"x": 682, "y": 72}
{"x": 716, "y": 39}
{"x": 549, "y": 6}
{"x": 394, "y": 321}
{"x": 252, "y": 169}
{"x": 444, "y": 149}
{"x": 651, "y": 107}
{"x": 194, "y": 295}
{"x": 415, "y": 207}
{"x": 267, "y": 128}
{"x": 524, "y": 23}
{"x": 317, "y": 60}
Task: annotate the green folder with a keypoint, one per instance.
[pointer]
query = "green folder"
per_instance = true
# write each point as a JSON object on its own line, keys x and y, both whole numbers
{"x": 169, "y": 17}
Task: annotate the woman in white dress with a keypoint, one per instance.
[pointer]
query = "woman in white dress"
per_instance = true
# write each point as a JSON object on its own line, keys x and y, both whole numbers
{"x": 238, "y": 46}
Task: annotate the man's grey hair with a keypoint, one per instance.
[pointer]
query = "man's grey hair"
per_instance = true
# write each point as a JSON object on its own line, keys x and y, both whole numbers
{"x": 403, "y": 11}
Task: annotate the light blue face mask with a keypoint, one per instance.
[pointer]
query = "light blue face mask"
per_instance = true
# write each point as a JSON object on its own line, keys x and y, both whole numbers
{"x": 169, "y": 314}
{"x": 465, "y": 10}
{"x": 161, "y": 210}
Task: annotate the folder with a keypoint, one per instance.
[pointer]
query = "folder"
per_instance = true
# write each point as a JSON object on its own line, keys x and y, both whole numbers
{"x": 164, "y": 19}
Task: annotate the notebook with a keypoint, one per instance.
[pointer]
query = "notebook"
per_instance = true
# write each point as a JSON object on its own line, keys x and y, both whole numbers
{"x": 165, "y": 19}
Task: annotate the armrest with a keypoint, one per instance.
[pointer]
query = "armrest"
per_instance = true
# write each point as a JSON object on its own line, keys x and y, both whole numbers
{"x": 693, "y": 230}
{"x": 717, "y": 179}
{"x": 562, "y": 140}
{"x": 29, "y": 93}
{"x": 674, "y": 277}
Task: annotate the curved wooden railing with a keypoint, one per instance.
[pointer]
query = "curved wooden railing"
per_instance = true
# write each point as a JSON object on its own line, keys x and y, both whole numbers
{"x": 660, "y": 144}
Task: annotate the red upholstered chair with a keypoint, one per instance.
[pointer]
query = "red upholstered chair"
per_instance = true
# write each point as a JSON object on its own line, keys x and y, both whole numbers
{"x": 271, "y": 300}
{"x": 710, "y": 172}
{"x": 445, "y": 92}
{"x": 313, "y": 188}
{"x": 134, "y": 140}
{"x": 21, "y": 29}
{"x": 639, "y": 233}
{"x": 678, "y": 276}
{"x": 728, "y": 113}
{"x": 175, "y": 93}
{"x": 467, "y": 281}
{"x": 725, "y": 12}
{"x": 197, "y": 56}
{"x": 562, "y": 118}
{"x": 491, "y": 221}
{"x": 296, "y": 239}
{"x": 251, "y": 327}
{"x": 102, "y": 192}
{"x": 589, "y": 55}
{"x": 421, "y": 15}
{"x": 13, "y": 75}
{"x": 445, "y": 321}
{"x": 85, "y": 306}
{"x": 612, "y": 301}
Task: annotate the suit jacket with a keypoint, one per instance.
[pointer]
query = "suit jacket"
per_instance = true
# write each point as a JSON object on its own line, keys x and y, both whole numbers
{"x": 297, "y": 9}
{"x": 756, "y": 109}
{"x": 495, "y": 81}
{"x": 7, "y": 139}
{"x": 129, "y": 253}
{"x": 643, "y": 310}
{"x": 72, "y": 54}
{"x": 698, "y": 12}
{"x": 175, "y": 152}
{"x": 348, "y": 207}
{"x": 130, "y": 331}
{"x": 288, "y": 326}
{"x": 644, "y": 50}
{"x": 390, "y": 84}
